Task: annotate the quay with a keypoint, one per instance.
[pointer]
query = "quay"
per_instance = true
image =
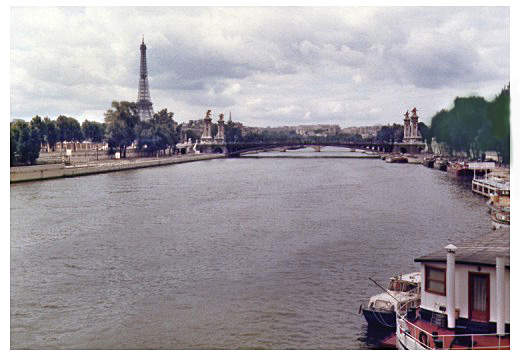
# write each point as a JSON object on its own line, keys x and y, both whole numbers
{"x": 52, "y": 171}
{"x": 309, "y": 157}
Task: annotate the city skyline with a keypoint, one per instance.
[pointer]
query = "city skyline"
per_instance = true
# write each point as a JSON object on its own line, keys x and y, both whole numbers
{"x": 268, "y": 66}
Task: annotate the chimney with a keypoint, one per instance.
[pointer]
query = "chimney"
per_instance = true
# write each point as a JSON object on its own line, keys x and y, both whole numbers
{"x": 450, "y": 283}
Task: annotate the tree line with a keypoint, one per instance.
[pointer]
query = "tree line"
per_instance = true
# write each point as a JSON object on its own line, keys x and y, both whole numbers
{"x": 27, "y": 138}
{"x": 474, "y": 125}
{"x": 121, "y": 127}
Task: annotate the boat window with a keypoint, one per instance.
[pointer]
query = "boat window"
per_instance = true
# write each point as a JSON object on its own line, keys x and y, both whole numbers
{"x": 385, "y": 305}
{"x": 435, "y": 280}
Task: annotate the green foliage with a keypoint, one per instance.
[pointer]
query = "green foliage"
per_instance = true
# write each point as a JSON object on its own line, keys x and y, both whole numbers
{"x": 158, "y": 133}
{"x": 25, "y": 142}
{"x": 40, "y": 125}
{"x": 425, "y": 133}
{"x": 499, "y": 114}
{"x": 194, "y": 135}
{"x": 13, "y": 145}
{"x": 232, "y": 132}
{"x": 120, "y": 122}
{"x": 51, "y": 132}
{"x": 93, "y": 131}
{"x": 390, "y": 134}
{"x": 68, "y": 129}
{"x": 474, "y": 125}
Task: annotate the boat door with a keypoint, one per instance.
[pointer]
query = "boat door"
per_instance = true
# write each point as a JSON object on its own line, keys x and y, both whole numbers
{"x": 478, "y": 297}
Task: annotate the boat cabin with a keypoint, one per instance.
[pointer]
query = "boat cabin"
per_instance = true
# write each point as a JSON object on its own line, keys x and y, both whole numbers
{"x": 465, "y": 293}
{"x": 405, "y": 282}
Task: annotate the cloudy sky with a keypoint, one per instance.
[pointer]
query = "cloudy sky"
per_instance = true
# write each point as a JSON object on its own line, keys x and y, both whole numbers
{"x": 268, "y": 66}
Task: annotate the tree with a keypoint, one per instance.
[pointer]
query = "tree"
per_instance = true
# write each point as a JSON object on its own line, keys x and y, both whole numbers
{"x": 92, "y": 131}
{"x": 13, "y": 145}
{"x": 499, "y": 114}
{"x": 52, "y": 133}
{"x": 232, "y": 132}
{"x": 192, "y": 134}
{"x": 390, "y": 134}
{"x": 464, "y": 127}
{"x": 68, "y": 129}
{"x": 159, "y": 133}
{"x": 121, "y": 121}
{"x": 25, "y": 143}
{"x": 425, "y": 133}
{"x": 40, "y": 125}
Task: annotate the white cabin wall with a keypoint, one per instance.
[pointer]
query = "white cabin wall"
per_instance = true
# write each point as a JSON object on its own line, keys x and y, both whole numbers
{"x": 506, "y": 302}
{"x": 432, "y": 301}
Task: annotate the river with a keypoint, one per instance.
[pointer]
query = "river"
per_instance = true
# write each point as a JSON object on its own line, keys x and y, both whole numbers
{"x": 223, "y": 254}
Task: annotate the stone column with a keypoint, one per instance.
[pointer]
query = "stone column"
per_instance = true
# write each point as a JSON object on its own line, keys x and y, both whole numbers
{"x": 220, "y": 134}
{"x": 501, "y": 311}
{"x": 407, "y": 130}
{"x": 206, "y": 131}
{"x": 450, "y": 284}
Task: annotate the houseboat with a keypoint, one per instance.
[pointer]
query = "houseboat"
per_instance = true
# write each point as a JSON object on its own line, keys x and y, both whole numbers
{"x": 397, "y": 159}
{"x": 403, "y": 290}
{"x": 500, "y": 219}
{"x": 464, "y": 298}
{"x": 499, "y": 208}
{"x": 428, "y": 162}
{"x": 459, "y": 169}
{"x": 412, "y": 159}
{"x": 499, "y": 203}
{"x": 470, "y": 169}
{"x": 490, "y": 186}
{"x": 440, "y": 164}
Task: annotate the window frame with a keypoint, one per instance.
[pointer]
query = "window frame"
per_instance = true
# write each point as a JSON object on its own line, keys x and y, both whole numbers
{"x": 426, "y": 279}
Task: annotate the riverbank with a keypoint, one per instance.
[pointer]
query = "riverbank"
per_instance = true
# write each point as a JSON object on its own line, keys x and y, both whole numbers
{"x": 309, "y": 157}
{"x": 53, "y": 171}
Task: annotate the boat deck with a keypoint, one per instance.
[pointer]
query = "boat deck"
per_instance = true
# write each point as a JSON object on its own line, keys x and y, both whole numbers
{"x": 450, "y": 340}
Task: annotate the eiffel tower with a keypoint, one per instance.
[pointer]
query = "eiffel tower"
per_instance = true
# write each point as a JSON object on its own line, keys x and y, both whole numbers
{"x": 144, "y": 104}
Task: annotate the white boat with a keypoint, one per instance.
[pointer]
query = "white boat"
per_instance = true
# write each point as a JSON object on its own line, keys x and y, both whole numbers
{"x": 465, "y": 298}
{"x": 403, "y": 290}
{"x": 500, "y": 219}
{"x": 499, "y": 202}
{"x": 490, "y": 186}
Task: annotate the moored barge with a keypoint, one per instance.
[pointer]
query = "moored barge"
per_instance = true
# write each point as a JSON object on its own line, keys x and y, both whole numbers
{"x": 464, "y": 298}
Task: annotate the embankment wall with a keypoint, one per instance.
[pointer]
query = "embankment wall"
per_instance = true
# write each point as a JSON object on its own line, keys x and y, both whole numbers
{"x": 42, "y": 172}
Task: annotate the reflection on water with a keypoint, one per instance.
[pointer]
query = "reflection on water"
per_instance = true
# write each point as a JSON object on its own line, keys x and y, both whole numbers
{"x": 223, "y": 254}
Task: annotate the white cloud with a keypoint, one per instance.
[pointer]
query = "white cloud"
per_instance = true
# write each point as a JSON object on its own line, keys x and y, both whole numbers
{"x": 269, "y": 66}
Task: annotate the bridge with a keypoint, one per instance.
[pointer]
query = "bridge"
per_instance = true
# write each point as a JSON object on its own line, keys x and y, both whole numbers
{"x": 235, "y": 149}
{"x": 218, "y": 144}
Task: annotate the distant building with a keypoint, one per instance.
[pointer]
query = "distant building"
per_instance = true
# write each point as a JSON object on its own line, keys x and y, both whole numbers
{"x": 318, "y": 130}
{"x": 364, "y": 131}
{"x": 280, "y": 129}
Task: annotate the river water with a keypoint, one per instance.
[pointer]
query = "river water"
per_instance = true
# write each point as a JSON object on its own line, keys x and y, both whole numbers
{"x": 223, "y": 254}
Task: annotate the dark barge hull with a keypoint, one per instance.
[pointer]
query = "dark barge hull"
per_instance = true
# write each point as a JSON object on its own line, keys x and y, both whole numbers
{"x": 380, "y": 320}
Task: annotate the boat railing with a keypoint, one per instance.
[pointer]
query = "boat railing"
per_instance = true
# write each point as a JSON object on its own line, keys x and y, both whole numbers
{"x": 402, "y": 309}
{"x": 425, "y": 340}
